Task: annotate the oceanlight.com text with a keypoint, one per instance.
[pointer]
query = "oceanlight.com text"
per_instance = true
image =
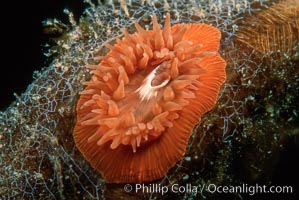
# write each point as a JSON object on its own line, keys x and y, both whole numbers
{"x": 210, "y": 188}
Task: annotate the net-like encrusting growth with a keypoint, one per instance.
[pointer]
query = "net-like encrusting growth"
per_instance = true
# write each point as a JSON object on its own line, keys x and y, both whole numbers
{"x": 38, "y": 158}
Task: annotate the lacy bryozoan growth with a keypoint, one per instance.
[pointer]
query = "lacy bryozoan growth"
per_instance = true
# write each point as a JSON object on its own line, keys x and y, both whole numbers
{"x": 136, "y": 115}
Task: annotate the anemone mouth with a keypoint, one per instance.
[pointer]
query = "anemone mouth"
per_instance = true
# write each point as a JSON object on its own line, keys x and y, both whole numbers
{"x": 145, "y": 97}
{"x": 156, "y": 80}
{"x": 159, "y": 80}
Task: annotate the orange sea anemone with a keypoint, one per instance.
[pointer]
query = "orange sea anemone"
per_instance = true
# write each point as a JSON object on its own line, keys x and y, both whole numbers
{"x": 136, "y": 115}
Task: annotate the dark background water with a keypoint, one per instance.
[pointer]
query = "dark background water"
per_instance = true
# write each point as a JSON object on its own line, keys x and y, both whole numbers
{"x": 22, "y": 37}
